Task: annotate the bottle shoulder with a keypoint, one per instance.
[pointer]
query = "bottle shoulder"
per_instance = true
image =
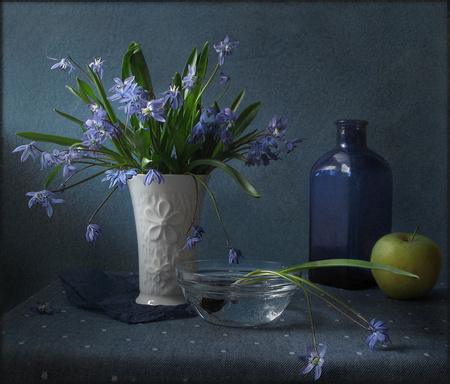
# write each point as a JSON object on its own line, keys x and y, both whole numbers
{"x": 341, "y": 160}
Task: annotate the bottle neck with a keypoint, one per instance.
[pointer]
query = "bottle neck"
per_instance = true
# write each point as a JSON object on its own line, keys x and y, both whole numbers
{"x": 351, "y": 134}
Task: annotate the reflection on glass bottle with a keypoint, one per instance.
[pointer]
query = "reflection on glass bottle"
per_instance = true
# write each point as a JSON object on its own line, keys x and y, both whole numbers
{"x": 350, "y": 206}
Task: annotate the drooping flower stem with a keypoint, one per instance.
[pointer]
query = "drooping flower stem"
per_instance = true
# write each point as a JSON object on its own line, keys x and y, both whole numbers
{"x": 207, "y": 84}
{"x": 196, "y": 205}
{"x": 337, "y": 308}
{"x": 82, "y": 181}
{"x": 82, "y": 70}
{"x": 102, "y": 203}
{"x": 313, "y": 328}
{"x": 215, "y": 206}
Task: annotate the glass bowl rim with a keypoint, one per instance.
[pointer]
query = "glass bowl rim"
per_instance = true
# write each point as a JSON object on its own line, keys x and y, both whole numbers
{"x": 186, "y": 276}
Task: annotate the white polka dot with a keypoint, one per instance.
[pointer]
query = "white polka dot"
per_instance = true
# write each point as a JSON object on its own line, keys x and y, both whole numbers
{"x": 103, "y": 330}
{"x": 359, "y": 353}
{"x": 44, "y": 375}
{"x": 21, "y": 342}
{"x": 292, "y": 353}
{"x": 26, "y": 315}
{"x": 114, "y": 379}
{"x": 426, "y": 354}
{"x": 64, "y": 337}
{"x": 346, "y": 336}
{"x": 63, "y": 291}
{"x": 197, "y": 325}
{"x": 223, "y": 351}
{"x": 406, "y": 337}
{"x": 444, "y": 320}
{"x": 154, "y": 349}
{"x": 225, "y": 334}
{"x": 127, "y": 339}
{"x": 82, "y": 321}
{"x": 87, "y": 346}
{"x": 164, "y": 332}
{"x": 44, "y": 326}
{"x": 281, "y": 319}
{"x": 336, "y": 319}
{"x": 192, "y": 341}
{"x": 286, "y": 335}
{"x": 256, "y": 343}
{"x": 426, "y": 329}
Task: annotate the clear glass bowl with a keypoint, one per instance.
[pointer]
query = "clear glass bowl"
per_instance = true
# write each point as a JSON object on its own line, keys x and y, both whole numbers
{"x": 210, "y": 286}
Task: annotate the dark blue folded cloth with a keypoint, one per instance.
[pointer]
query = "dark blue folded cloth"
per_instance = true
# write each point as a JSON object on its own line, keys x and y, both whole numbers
{"x": 115, "y": 294}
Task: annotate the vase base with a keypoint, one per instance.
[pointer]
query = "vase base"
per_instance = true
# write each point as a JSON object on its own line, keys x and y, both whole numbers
{"x": 146, "y": 299}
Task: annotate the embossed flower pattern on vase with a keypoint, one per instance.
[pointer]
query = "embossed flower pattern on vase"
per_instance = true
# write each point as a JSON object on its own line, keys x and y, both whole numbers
{"x": 160, "y": 274}
{"x": 162, "y": 220}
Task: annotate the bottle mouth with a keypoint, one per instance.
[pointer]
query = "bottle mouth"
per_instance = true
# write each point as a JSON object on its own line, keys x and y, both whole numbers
{"x": 353, "y": 122}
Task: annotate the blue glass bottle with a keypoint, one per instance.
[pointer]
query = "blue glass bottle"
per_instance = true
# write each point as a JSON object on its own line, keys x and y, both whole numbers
{"x": 350, "y": 206}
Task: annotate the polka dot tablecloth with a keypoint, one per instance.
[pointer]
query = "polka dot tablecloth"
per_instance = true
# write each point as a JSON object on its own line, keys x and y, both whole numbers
{"x": 82, "y": 346}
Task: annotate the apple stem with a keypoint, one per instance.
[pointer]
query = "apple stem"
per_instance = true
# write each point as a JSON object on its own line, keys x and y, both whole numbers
{"x": 414, "y": 234}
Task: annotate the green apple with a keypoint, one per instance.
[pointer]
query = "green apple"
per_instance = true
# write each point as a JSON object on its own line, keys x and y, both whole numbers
{"x": 413, "y": 253}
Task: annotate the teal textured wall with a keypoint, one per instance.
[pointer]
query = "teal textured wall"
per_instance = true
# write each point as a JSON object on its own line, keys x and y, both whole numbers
{"x": 311, "y": 62}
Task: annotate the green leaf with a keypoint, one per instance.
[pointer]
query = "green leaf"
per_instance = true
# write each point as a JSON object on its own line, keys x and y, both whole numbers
{"x": 240, "y": 180}
{"x": 76, "y": 93}
{"x": 52, "y": 175}
{"x": 142, "y": 142}
{"x": 85, "y": 90}
{"x": 238, "y": 101}
{"x": 134, "y": 63}
{"x": 71, "y": 118}
{"x": 103, "y": 97}
{"x": 245, "y": 118}
{"x": 202, "y": 63}
{"x": 192, "y": 60}
{"x": 42, "y": 137}
{"x": 347, "y": 263}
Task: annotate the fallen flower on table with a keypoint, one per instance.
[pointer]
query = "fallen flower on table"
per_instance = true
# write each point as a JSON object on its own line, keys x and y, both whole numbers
{"x": 44, "y": 308}
{"x": 313, "y": 357}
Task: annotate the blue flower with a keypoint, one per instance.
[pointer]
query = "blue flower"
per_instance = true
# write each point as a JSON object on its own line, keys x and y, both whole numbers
{"x": 174, "y": 96}
{"x": 224, "y": 78}
{"x": 378, "y": 333}
{"x": 97, "y": 66}
{"x": 136, "y": 98}
{"x": 154, "y": 109}
{"x": 44, "y": 308}
{"x": 289, "y": 145}
{"x": 191, "y": 241}
{"x": 120, "y": 88}
{"x": 277, "y": 126}
{"x": 28, "y": 150}
{"x": 151, "y": 175}
{"x": 68, "y": 157}
{"x": 314, "y": 360}
{"x": 44, "y": 198}
{"x": 189, "y": 80}
{"x": 225, "y": 48}
{"x": 50, "y": 159}
{"x": 62, "y": 63}
{"x": 226, "y": 118}
{"x": 119, "y": 177}
{"x": 234, "y": 255}
{"x": 198, "y": 231}
{"x": 93, "y": 232}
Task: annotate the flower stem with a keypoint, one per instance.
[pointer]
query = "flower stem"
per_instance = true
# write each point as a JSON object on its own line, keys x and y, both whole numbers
{"x": 103, "y": 202}
{"x": 215, "y": 206}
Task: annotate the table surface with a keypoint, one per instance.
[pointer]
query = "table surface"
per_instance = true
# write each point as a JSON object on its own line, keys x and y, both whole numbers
{"x": 78, "y": 345}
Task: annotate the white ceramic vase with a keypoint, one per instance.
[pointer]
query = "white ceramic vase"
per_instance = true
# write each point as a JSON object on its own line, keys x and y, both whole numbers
{"x": 163, "y": 214}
